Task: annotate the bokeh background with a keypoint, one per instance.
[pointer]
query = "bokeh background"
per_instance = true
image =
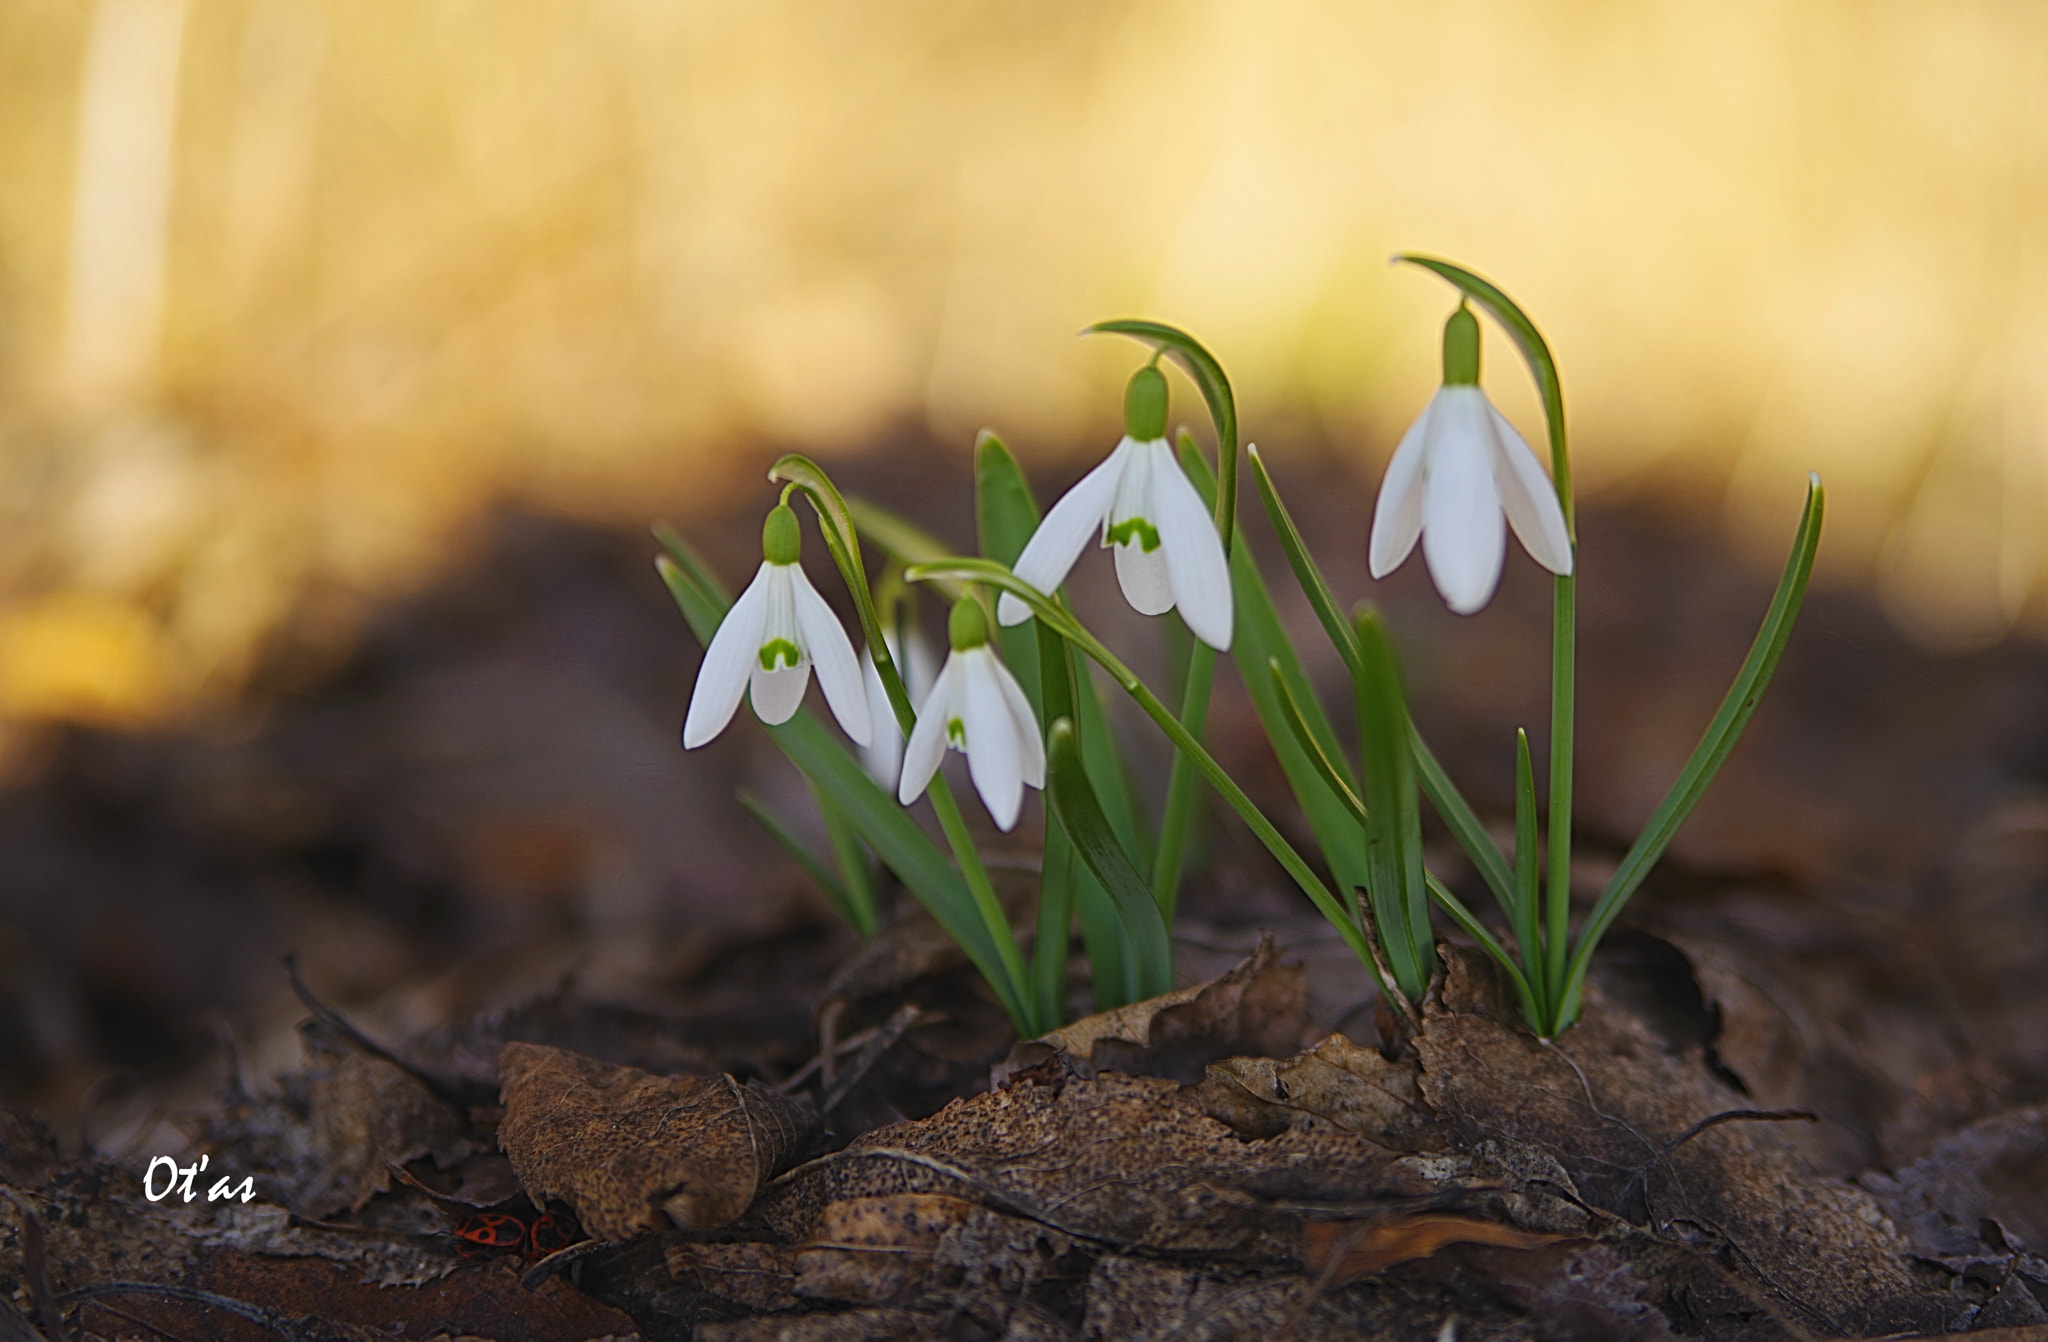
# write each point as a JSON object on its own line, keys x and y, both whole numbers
{"x": 295, "y": 295}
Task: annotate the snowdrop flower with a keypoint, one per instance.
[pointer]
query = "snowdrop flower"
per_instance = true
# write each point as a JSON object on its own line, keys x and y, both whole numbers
{"x": 1457, "y": 470}
{"x": 912, "y": 653}
{"x": 769, "y": 641}
{"x": 976, "y": 708}
{"x": 1167, "y": 550}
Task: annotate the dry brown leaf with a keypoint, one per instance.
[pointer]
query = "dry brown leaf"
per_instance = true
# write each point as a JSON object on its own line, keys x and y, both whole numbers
{"x": 329, "y": 1300}
{"x": 1579, "y": 1288}
{"x": 1614, "y": 1105}
{"x": 1981, "y": 1196}
{"x": 622, "y": 1146}
{"x": 332, "y": 1137}
{"x": 877, "y": 1251}
{"x": 1341, "y": 1252}
{"x": 1258, "y": 1007}
{"x": 1113, "y": 1158}
{"x": 1337, "y": 1081}
{"x": 759, "y": 1276}
{"x": 858, "y": 1325}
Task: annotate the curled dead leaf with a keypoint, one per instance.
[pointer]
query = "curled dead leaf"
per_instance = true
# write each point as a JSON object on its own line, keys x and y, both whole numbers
{"x": 620, "y": 1145}
{"x": 1341, "y": 1252}
{"x": 1258, "y": 1007}
{"x": 1337, "y": 1081}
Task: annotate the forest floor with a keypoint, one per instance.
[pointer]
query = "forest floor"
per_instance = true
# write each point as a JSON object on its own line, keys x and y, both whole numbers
{"x": 567, "y": 1050}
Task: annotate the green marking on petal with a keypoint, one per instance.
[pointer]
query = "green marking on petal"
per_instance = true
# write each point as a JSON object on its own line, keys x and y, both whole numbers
{"x": 956, "y": 733}
{"x": 1145, "y": 533}
{"x": 779, "y": 649}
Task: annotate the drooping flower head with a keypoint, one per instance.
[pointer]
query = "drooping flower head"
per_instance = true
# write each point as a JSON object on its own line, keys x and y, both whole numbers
{"x": 976, "y": 707}
{"x": 1141, "y": 503}
{"x": 768, "y": 642}
{"x": 1460, "y": 467}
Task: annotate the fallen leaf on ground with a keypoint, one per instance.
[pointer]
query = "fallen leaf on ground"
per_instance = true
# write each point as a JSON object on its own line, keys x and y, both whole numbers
{"x": 1258, "y": 1007}
{"x": 1337, "y": 1081}
{"x": 624, "y": 1147}
{"x": 1341, "y": 1252}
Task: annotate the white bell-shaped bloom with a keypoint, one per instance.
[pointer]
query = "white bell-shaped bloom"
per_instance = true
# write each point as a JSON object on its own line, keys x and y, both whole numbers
{"x": 769, "y": 641}
{"x": 976, "y": 707}
{"x": 1139, "y": 501}
{"x": 915, "y": 659}
{"x": 1460, "y": 477}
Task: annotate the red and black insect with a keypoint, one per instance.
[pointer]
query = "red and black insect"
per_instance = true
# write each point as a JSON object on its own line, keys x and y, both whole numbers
{"x": 501, "y": 1232}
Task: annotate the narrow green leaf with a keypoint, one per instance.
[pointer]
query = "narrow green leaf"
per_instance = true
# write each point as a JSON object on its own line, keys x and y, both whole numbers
{"x": 1112, "y": 958}
{"x": 1197, "y": 665}
{"x": 814, "y": 867}
{"x": 1457, "y": 814}
{"x": 1005, "y": 513}
{"x": 1328, "y": 769}
{"x": 1400, "y": 900}
{"x": 686, "y": 557}
{"x": 1081, "y": 816}
{"x": 1712, "y": 750}
{"x": 1058, "y": 870}
{"x": 701, "y": 610}
{"x": 1310, "y": 578}
{"x": 1258, "y": 642}
{"x": 1525, "y": 916}
{"x": 855, "y": 872}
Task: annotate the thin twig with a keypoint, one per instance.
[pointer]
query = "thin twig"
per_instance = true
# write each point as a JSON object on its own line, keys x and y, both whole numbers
{"x": 441, "y": 1090}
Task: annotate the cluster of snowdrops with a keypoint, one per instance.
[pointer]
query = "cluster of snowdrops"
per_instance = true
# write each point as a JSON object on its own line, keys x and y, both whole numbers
{"x": 1015, "y": 695}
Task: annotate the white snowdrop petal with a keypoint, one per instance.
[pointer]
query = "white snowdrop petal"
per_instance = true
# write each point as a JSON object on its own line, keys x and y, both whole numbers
{"x": 1050, "y": 553}
{"x": 722, "y": 679}
{"x": 1143, "y": 576}
{"x": 777, "y": 694}
{"x": 994, "y": 754}
{"x": 1031, "y": 753}
{"x": 1464, "y": 537}
{"x": 882, "y": 757}
{"x": 1397, "y": 515}
{"x": 919, "y": 663}
{"x": 832, "y": 654}
{"x": 927, "y": 745}
{"x": 1529, "y": 498}
{"x": 1196, "y": 567}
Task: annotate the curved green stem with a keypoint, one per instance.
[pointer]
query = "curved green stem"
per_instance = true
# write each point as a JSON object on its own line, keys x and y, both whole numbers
{"x": 1564, "y": 609}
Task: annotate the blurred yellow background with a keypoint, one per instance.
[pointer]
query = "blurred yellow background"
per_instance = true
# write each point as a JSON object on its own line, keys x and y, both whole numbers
{"x": 292, "y": 289}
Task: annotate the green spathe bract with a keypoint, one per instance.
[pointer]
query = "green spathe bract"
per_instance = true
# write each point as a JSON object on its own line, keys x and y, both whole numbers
{"x": 1100, "y": 868}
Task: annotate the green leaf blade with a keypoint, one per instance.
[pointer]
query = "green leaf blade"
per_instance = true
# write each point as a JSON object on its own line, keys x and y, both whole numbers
{"x": 1715, "y": 743}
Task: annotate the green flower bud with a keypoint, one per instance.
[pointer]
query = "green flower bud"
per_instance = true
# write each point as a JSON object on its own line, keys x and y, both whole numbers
{"x": 966, "y": 627}
{"x": 781, "y": 538}
{"x": 1145, "y": 405}
{"x": 1461, "y": 349}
